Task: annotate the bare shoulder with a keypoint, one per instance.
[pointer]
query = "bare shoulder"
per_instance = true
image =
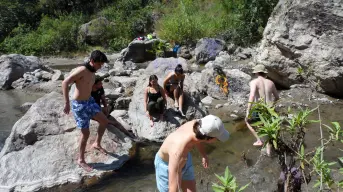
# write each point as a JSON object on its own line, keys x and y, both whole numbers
{"x": 253, "y": 82}
{"x": 270, "y": 82}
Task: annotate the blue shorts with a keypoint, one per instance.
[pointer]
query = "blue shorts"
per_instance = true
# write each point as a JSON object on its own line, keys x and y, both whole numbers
{"x": 161, "y": 169}
{"x": 83, "y": 111}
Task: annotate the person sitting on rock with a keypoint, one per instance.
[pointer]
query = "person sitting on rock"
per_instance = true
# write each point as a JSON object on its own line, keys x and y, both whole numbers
{"x": 155, "y": 99}
{"x": 173, "y": 161}
{"x": 260, "y": 88}
{"x": 173, "y": 84}
{"x": 83, "y": 105}
{"x": 98, "y": 93}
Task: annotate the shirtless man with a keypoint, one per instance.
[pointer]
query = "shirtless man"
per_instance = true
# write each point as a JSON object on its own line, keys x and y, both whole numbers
{"x": 260, "y": 88}
{"x": 173, "y": 86}
{"x": 83, "y": 105}
{"x": 173, "y": 162}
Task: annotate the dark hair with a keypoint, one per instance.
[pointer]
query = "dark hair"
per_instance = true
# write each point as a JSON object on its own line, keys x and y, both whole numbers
{"x": 197, "y": 132}
{"x": 98, "y": 56}
{"x": 97, "y": 79}
{"x": 178, "y": 69}
{"x": 152, "y": 77}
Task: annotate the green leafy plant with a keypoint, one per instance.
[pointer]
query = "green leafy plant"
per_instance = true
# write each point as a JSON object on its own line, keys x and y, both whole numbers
{"x": 322, "y": 169}
{"x": 300, "y": 120}
{"x": 227, "y": 183}
{"x": 336, "y": 132}
{"x": 159, "y": 48}
{"x": 271, "y": 128}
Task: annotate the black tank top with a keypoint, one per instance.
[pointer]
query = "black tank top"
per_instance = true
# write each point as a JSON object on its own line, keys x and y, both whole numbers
{"x": 154, "y": 96}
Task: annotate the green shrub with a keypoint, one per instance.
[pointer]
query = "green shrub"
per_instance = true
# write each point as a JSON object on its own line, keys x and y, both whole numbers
{"x": 51, "y": 37}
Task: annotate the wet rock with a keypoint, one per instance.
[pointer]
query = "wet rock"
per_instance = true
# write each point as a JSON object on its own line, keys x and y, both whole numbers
{"x": 113, "y": 94}
{"x": 184, "y": 53}
{"x": 141, "y": 123}
{"x": 207, "y": 49}
{"x": 238, "y": 86}
{"x": 14, "y": 66}
{"x": 219, "y": 106}
{"x": 41, "y": 149}
{"x": 26, "y": 106}
{"x": 57, "y": 75}
{"x": 207, "y": 100}
{"x": 302, "y": 41}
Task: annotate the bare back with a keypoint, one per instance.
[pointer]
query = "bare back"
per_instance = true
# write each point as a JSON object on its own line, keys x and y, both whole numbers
{"x": 178, "y": 142}
{"x": 264, "y": 88}
{"x": 83, "y": 83}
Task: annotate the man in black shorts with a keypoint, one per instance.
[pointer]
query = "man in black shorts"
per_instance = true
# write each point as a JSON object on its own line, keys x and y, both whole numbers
{"x": 98, "y": 93}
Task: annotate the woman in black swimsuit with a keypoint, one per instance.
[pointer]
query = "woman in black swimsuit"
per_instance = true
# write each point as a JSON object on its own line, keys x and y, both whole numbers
{"x": 155, "y": 99}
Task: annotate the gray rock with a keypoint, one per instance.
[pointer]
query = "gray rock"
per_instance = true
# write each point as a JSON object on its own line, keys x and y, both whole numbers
{"x": 242, "y": 56}
{"x": 57, "y": 75}
{"x": 41, "y": 149}
{"x": 208, "y": 83}
{"x": 118, "y": 113}
{"x": 26, "y": 106}
{"x": 122, "y": 103}
{"x": 95, "y": 32}
{"x": 219, "y": 106}
{"x": 139, "y": 51}
{"x": 130, "y": 65}
{"x": 13, "y": 67}
{"x": 238, "y": 86}
{"x": 113, "y": 94}
{"x": 207, "y": 100}
{"x": 119, "y": 72}
{"x": 124, "y": 82}
{"x": 303, "y": 40}
{"x": 141, "y": 123}
{"x": 207, "y": 49}
{"x": 184, "y": 53}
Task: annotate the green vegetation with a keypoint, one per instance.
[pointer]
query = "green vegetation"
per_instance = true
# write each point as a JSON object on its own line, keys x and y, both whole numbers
{"x": 227, "y": 183}
{"x": 287, "y": 135}
{"x": 45, "y": 27}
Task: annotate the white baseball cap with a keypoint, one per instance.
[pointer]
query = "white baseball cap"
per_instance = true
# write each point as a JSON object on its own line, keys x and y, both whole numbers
{"x": 212, "y": 126}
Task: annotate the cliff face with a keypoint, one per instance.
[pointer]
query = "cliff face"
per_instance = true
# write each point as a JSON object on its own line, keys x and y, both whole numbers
{"x": 303, "y": 40}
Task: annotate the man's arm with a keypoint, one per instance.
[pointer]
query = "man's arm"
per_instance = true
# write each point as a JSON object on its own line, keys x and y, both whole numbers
{"x": 174, "y": 174}
{"x": 275, "y": 93}
{"x": 201, "y": 149}
{"x": 74, "y": 76}
{"x": 251, "y": 97}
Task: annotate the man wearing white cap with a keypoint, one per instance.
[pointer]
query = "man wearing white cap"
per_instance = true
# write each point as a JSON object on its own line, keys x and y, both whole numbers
{"x": 173, "y": 162}
{"x": 260, "y": 88}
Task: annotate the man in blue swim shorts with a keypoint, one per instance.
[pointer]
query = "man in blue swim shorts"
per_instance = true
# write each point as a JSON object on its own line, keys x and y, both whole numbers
{"x": 173, "y": 162}
{"x": 83, "y": 105}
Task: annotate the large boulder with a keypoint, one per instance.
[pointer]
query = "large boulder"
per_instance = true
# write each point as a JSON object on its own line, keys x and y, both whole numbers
{"x": 141, "y": 123}
{"x": 41, "y": 151}
{"x": 96, "y": 32}
{"x": 13, "y": 67}
{"x": 140, "y": 51}
{"x": 207, "y": 49}
{"x": 303, "y": 40}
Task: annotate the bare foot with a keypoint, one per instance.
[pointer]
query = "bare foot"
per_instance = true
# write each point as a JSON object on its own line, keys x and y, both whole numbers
{"x": 183, "y": 115}
{"x": 258, "y": 143}
{"x": 176, "y": 105}
{"x": 151, "y": 123}
{"x": 98, "y": 147}
{"x": 84, "y": 165}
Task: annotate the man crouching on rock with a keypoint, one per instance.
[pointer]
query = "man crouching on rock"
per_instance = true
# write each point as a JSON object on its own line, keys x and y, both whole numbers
{"x": 83, "y": 105}
{"x": 173, "y": 162}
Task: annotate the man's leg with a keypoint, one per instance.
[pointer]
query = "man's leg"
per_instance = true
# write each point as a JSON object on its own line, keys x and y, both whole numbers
{"x": 103, "y": 122}
{"x": 258, "y": 142}
{"x": 82, "y": 148}
{"x": 181, "y": 100}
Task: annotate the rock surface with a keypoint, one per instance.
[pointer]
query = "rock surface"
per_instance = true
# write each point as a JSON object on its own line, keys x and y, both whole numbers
{"x": 207, "y": 49}
{"x": 95, "y": 32}
{"x": 141, "y": 123}
{"x": 41, "y": 151}
{"x": 13, "y": 67}
{"x": 303, "y": 40}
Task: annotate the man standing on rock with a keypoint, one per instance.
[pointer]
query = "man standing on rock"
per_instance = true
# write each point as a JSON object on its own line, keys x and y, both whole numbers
{"x": 83, "y": 105}
{"x": 260, "y": 88}
{"x": 173, "y": 162}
